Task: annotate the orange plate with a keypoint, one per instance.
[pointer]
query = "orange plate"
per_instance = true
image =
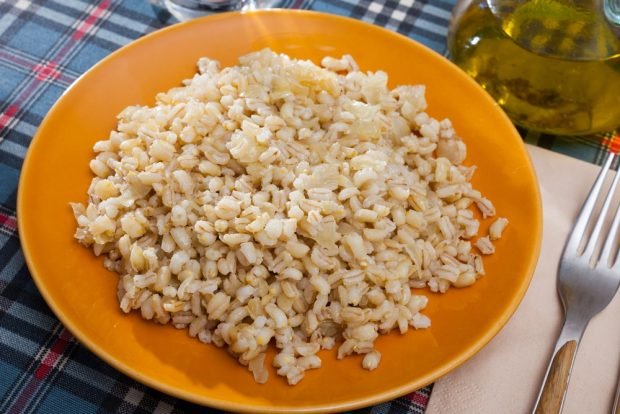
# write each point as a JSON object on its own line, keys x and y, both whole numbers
{"x": 83, "y": 294}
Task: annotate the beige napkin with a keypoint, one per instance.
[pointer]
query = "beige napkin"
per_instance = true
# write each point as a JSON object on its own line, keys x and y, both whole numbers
{"x": 504, "y": 377}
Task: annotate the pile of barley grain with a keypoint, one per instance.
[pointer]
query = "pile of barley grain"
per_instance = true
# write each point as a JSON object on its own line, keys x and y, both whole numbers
{"x": 282, "y": 201}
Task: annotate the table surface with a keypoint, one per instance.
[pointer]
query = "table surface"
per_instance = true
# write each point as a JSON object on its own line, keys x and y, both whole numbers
{"x": 44, "y": 46}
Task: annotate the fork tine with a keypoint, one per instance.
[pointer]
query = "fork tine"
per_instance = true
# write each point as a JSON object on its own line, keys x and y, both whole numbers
{"x": 600, "y": 221}
{"x": 610, "y": 242}
{"x": 574, "y": 240}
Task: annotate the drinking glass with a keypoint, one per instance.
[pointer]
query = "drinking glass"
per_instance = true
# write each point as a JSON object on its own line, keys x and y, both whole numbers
{"x": 191, "y": 9}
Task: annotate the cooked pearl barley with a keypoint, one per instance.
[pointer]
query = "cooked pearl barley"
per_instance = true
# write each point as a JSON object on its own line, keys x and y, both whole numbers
{"x": 273, "y": 228}
{"x": 234, "y": 239}
{"x": 179, "y": 216}
{"x": 181, "y": 237}
{"x": 131, "y": 226}
{"x": 465, "y": 279}
{"x": 227, "y": 208}
{"x": 105, "y": 189}
{"x": 309, "y": 362}
{"x": 497, "y": 228}
{"x": 485, "y": 245}
{"x": 371, "y": 360}
{"x": 320, "y": 284}
{"x": 280, "y": 202}
{"x": 292, "y": 273}
{"x": 279, "y": 317}
{"x": 184, "y": 180}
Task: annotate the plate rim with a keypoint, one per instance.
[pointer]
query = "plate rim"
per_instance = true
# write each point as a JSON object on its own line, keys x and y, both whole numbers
{"x": 161, "y": 386}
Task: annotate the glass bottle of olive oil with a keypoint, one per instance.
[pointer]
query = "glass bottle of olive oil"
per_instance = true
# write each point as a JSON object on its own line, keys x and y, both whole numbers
{"x": 552, "y": 65}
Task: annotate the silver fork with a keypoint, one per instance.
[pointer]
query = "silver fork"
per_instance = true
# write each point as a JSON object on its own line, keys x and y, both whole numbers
{"x": 588, "y": 279}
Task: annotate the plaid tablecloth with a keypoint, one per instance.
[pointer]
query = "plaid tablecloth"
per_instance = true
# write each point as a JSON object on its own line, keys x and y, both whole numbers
{"x": 44, "y": 46}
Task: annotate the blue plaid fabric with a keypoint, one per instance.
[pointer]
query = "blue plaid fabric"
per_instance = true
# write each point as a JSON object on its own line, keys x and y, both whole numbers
{"x": 44, "y": 46}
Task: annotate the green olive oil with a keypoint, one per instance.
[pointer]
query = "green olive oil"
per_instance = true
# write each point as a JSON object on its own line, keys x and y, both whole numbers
{"x": 553, "y": 67}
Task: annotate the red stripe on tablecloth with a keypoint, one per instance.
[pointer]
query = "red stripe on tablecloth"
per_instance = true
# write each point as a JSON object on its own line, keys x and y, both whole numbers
{"x": 46, "y": 71}
{"x": 8, "y": 115}
{"x": 85, "y": 26}
{"x": 21, "y": 99}
{"x": 29, "y": 65}
{"x": 417, "y": 398}
{"x": 16, "y": 59}
{"x": 613, "y": 143}
{"x": 23, "y": 398}
{"x": 49, "y": 361}
{"x": 8, "y": 222}
{"x": 81, "y": 30}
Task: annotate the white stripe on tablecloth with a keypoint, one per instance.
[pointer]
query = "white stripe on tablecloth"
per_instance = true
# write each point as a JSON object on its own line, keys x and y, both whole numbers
{"x": 436, "y": 11}
{"x": 13, "y": 148}
{"x": 431, "y": 27}
{"x": 18, "y": 342}
{"x": 31, "y": 316}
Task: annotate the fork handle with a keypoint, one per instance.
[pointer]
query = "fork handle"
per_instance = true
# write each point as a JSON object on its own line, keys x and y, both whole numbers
{"x": 554, "y": 388}
{"x": 553, "y": 391}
